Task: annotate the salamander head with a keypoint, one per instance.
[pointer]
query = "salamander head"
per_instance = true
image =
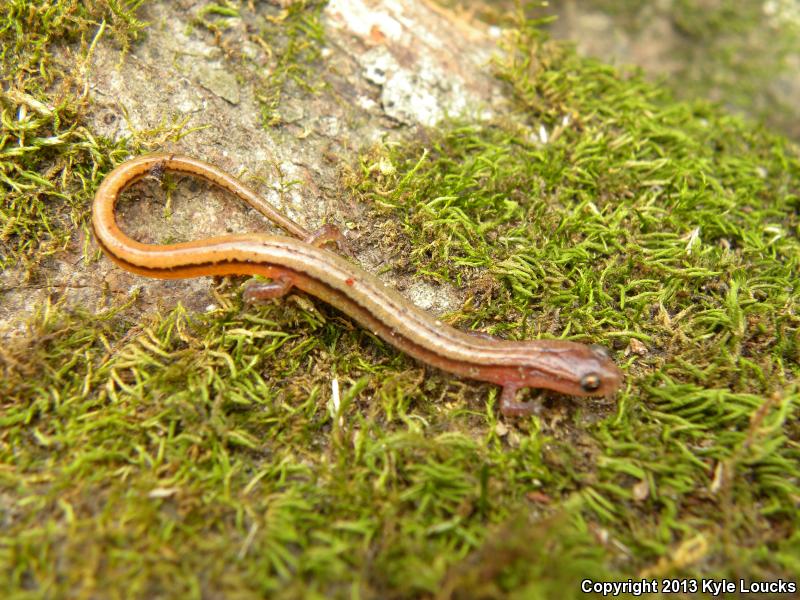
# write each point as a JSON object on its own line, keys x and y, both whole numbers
{"x": 577, "y": 370}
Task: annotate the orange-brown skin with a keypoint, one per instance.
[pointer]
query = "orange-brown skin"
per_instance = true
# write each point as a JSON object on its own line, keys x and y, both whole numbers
{"x": 563, "y": 366}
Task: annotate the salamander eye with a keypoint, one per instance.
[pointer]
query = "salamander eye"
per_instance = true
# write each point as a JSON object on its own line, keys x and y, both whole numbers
{"x": 590, "y": 382}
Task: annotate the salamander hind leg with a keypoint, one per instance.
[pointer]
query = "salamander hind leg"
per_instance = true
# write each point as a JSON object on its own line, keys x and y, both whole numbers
{"x": 510, "y": 407}
{"x": 256, "y": 292}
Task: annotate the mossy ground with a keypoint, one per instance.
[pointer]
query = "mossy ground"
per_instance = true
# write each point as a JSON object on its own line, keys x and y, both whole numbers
{"x": 729, "y": 50}
{"x": 742, "y": 54}
{"x": 202, "y": 455}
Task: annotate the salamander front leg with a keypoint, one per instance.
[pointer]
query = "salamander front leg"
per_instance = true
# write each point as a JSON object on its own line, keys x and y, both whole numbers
{"x": 510, "y": 407}
{"x": 323, "y": 235}
{"x": 257, "y": 292}
{"x": 326, "y": 234}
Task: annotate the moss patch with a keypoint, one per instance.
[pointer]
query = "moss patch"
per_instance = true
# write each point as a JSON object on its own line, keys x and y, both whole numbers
{"x": 285, "y": 451}
{"x": 666, "y": 230}
{"x": 49, "y": 162}
{"x": 742, "y": 54}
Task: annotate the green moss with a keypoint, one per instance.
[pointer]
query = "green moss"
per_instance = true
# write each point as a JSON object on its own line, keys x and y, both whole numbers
{"x": 734, "y": 52}
{"x": 205, "y": 455}
{"x": 730, "y": 51}
{"x": 205, "y": 441}
{"x": 612, "y": 213}
{"x": 49, "y": 161}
